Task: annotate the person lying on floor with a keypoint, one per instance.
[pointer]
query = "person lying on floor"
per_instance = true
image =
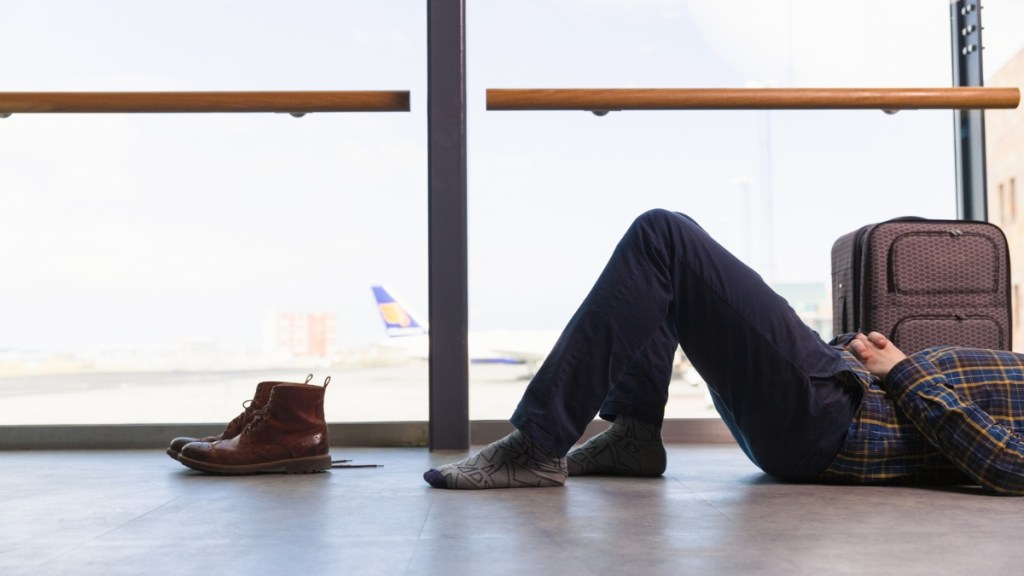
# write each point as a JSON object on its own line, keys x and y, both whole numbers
{"x": 856, "y": 410}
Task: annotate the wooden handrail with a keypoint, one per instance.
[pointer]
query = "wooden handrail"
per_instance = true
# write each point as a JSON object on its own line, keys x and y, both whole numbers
{"x": 889, "y": 99}
{"x": 182, "y": 102}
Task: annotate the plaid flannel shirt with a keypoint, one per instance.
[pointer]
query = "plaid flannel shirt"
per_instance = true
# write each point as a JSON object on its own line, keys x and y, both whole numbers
{"x": 943, "y": 415}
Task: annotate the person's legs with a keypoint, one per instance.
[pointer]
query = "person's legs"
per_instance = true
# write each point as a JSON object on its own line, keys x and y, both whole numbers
{"x": 642, "y": 391}
{"x": 631, "y": 446}
{"x": 635, "y": 405}
{"x": 771, "y": 376}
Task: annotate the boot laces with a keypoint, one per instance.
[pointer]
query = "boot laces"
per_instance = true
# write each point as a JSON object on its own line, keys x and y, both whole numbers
{"x": 309, "y": 379}
{"x": 259, "y": 417}
{"x": 237, "y": 420}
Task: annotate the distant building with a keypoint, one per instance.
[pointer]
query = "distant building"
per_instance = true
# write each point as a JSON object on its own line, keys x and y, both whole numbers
{"x": 301, "y": 334}
{"x": 1004, "y": 151}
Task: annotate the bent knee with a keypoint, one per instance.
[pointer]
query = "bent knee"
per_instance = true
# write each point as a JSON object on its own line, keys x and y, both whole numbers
{"x": 658, "y": 217}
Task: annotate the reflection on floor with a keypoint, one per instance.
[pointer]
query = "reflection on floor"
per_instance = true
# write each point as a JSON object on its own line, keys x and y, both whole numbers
{"x": 133, "y": 512}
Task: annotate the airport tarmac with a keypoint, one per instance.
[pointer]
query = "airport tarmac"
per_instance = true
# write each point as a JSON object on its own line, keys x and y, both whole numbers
{"x": 355, "y": 394}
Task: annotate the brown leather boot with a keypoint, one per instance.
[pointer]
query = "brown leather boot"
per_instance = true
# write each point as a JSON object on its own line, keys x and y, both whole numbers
{"x": 288, "y": 434}
{"x": 235, "y": 427}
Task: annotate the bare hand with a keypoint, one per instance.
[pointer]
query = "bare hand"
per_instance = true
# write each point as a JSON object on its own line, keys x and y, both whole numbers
{"x": 875, "y": 352}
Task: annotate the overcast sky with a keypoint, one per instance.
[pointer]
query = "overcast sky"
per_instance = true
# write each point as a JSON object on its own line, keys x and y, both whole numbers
{"x": 150, "y": 230}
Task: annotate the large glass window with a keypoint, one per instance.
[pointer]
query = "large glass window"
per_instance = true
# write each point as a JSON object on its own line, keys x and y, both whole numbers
{"x": 156, "y": 267}
{"x": 551, "y": 192}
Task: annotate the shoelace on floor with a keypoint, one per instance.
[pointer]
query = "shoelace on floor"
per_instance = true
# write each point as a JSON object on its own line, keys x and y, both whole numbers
{"x": 345, "y": 464}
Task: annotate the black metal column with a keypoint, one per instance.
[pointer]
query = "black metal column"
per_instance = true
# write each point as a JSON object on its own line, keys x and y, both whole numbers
{"x": 448, "y": 249}
{"x": 969, "y": 125}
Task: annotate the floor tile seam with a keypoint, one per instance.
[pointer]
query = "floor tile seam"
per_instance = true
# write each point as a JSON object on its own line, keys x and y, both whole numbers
{"x": 86, "y": 541}
{"x": 711, "y": 504}
{"x": 431, "y": 494}
{"x": 420, "y": 541}
{"x": 122, "y": 525}
{"x": 676, "y": 479}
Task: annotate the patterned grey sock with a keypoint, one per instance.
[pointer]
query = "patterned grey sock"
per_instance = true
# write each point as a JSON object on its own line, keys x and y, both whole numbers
{"x": 512, "y": 462}
{"x": 629, "y": 447}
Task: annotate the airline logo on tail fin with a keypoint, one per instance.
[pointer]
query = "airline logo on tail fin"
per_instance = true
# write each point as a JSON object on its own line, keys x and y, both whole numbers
{"x": 398, "y": 320}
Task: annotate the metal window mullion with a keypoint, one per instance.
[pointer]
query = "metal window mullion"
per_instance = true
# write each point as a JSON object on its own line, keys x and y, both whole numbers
{"x": 969, "y": 125}
{"x": 448, "y": 247}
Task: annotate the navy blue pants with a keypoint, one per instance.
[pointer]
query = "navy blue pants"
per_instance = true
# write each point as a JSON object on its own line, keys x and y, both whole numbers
{"x": 778, "y": 387}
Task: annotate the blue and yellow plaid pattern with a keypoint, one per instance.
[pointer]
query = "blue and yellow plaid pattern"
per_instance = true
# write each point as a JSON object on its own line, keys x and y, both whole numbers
{"x": 944, "y": 415}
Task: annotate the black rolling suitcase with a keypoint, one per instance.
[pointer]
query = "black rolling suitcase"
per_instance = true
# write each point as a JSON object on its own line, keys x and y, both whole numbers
{"x": 924, "y": 283}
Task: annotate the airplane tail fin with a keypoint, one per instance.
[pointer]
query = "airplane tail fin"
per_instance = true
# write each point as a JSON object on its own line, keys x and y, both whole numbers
{"x": 398, "y": 319}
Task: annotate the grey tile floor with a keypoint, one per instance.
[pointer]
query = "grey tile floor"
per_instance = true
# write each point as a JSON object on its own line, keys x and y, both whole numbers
{"x": 139, "y": 512}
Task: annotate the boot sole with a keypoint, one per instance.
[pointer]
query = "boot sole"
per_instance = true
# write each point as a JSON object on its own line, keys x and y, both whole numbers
{"x": 172, "y": 453}
{"x": 306, "y": 465}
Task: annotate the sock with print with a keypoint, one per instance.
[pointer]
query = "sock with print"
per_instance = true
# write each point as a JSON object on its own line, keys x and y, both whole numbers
{"x": 629, "y": 447}
{"x": 512, "y": 462}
